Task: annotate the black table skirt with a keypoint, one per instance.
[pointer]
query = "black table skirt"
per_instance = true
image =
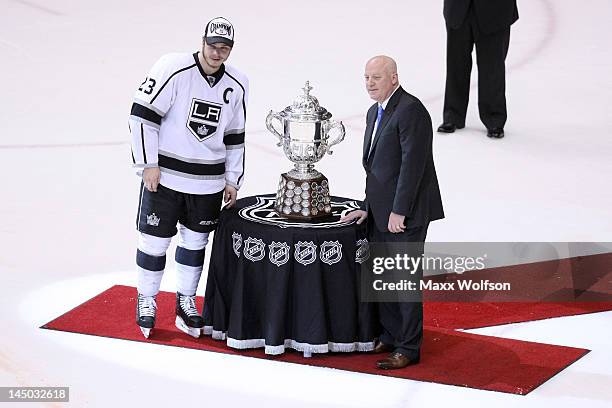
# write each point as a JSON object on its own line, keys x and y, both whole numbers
{"x": 275, "y": 283}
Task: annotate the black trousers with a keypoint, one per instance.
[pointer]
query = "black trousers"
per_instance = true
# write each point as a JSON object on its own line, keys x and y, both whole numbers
{"x": 401, "y": 322}
{"x": 491, "y": 51}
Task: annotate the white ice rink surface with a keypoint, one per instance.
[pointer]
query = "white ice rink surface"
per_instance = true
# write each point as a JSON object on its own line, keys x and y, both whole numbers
{"x": 69, "y": 195}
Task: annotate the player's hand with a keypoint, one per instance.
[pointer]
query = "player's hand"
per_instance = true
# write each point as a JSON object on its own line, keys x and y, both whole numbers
{"x": 358, "y": 215}
{"x": 396, "y": 223}
{"x": 150, "y": 178}
{"x": 229, "y": 197}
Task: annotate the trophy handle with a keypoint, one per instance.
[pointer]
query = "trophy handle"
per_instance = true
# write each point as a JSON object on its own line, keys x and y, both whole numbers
{"x": 271, "y": 116}
{"x": 335, "y": 125}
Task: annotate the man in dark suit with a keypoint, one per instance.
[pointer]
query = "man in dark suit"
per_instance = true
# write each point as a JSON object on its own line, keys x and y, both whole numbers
{"x": 402, "y": 194}
{"x": 485, "y": 23}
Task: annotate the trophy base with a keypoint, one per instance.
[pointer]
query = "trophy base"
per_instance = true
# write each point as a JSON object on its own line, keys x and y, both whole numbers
{"x": 303, "y": 198}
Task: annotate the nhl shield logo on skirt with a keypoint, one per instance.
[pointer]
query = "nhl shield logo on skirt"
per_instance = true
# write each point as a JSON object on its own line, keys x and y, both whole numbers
{"x": 331, "y": 252}
{"x": 204, "y": 118}
{"x": 236, "y": 243}
{"x": 305, "y": 252}
{"x": 363, "y": 251}
{"x": 278, "y": 253}
{"x": 254, "y": 249}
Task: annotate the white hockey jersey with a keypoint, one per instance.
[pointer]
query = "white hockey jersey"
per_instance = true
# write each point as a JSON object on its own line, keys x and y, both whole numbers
{"x": 190, "y": 124}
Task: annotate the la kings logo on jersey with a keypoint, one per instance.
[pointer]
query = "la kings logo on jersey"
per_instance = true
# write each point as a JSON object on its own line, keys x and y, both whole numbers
{"x": 203, "y": 119}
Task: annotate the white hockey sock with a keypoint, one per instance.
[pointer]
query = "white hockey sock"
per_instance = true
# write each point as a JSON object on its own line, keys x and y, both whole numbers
{"x": 189, "y": 260}
{"x": 187, "y": 277}
{"x": 149, "y": 281}
{"x": 150, "y": 261}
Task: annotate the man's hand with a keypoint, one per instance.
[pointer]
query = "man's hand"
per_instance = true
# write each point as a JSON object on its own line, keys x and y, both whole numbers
{"x": 229, "y": 197}
{"x": 150, "y": 177}
{"x": 396, "y": 223}
{"x": 359, "y": 215}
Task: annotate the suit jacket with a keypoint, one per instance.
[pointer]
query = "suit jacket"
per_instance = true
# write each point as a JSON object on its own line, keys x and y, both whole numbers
{"x": 492, "y": 15}
{"x": 401, "y": 176}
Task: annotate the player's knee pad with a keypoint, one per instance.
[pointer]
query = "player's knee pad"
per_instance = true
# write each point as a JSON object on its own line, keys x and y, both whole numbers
{"x": 192, "y": 240}
{"x": 151, "y": 254}
{"x": 151, "y": 245}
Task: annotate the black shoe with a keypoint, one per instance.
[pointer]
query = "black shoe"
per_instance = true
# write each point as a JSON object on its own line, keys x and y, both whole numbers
{"x": 188, "y": 319}
{"x": 146, "y": 309}
{"x": 495, "y": 133}
{"x": 448, "y": 127}
{"x": 396, "y": 360}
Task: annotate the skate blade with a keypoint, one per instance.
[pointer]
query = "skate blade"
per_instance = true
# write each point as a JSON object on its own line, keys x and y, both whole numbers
{"x": 182, "y": 326}
{"x": 146, "y": 332}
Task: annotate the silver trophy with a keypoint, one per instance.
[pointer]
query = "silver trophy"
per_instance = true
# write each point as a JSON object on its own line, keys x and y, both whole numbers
{"x": 303, "y": 193}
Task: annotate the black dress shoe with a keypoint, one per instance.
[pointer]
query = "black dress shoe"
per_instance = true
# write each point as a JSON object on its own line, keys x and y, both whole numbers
{"x": 381, "y": 347}
{"x": 496, "y": 133}
{"x": 396, "y": 360}
{"x": 448, "y": 127}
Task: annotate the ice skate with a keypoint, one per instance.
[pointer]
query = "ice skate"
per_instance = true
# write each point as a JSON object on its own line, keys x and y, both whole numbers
{"x": 188, "y": 319}
{"x": 146, "y": 307}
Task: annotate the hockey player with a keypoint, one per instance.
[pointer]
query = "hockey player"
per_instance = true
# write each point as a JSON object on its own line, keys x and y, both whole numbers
{"x": 187, "y": 126}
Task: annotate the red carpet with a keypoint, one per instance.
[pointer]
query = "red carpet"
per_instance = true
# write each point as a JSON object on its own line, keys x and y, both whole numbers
{"x": 541, "y": 290}
{"x": 452, "y": 315}
{"x": 447, "y": 356}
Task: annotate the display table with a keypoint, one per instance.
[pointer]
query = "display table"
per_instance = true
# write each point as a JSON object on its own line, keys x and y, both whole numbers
{"x": 277, "y": 283}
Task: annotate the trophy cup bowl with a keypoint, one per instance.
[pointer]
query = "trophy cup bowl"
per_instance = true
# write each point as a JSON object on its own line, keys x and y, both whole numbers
{"x": 305, "y": 135}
